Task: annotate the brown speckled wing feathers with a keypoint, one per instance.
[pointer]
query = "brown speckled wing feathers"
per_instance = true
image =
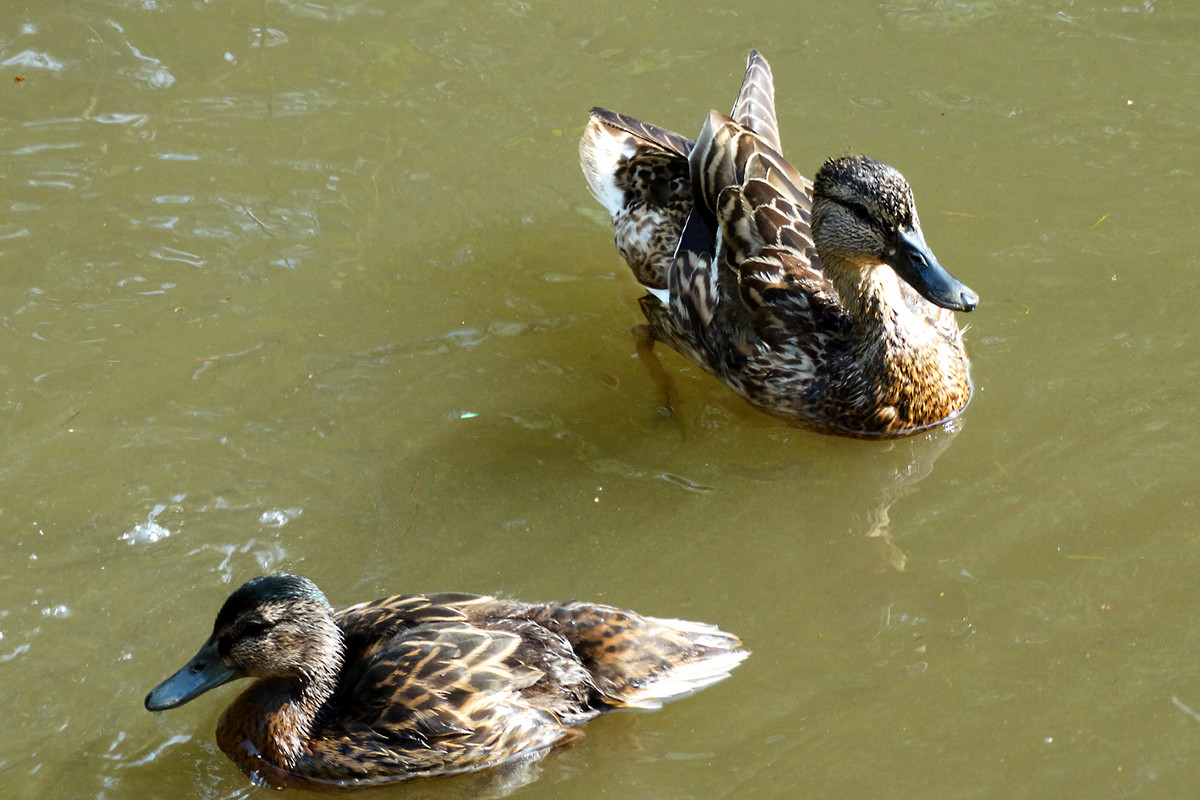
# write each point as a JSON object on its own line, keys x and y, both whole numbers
{"x": 754, "y": 107}
{"x": 667, "y": 140}
{"x": 439, "y": 697}
{"x": 641, "y": 662}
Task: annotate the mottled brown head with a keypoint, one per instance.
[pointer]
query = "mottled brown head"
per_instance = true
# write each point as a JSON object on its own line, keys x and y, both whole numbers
{"x": 879, "y": 189}
{"x": 276, "y": 625}
{"x": 864, "y": 215}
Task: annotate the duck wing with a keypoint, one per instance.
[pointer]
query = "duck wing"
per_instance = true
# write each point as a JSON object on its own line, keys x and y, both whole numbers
{"x": 647, "y": 132}
{"x": 755, "y": 105}
{"x": 369, "y": 626}
{"x": 763, "y": 209}
{"x": 437, "y": 698}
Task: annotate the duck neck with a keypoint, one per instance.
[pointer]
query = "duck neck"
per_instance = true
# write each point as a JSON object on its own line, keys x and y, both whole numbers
{"x": 276, "y": 719}
{"x": 310, "y": 694}
{"x": 906, "y": 367}
{"x": 873, "y": 299}
{"x": 899, "y": 349}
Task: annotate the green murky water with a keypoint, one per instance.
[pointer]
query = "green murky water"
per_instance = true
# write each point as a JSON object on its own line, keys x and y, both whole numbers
{"x": 319, "y": 287}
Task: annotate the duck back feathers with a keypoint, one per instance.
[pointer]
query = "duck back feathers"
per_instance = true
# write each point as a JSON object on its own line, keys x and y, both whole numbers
{"x": 822, "y": 305}
{"x": 429, "y": 684}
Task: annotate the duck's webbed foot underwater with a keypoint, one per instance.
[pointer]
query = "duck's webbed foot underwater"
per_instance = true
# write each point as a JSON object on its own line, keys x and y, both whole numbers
{"x": 644, "y": 340}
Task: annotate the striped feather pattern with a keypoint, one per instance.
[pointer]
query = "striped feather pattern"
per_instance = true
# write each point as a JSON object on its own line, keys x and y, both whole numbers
{"x": 827, "y": 336}
{"x": 433, "y": 684}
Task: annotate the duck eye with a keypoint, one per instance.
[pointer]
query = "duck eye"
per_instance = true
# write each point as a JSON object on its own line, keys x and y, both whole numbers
{"x": 860, "y": 211}
{"x": 256, "y": 627}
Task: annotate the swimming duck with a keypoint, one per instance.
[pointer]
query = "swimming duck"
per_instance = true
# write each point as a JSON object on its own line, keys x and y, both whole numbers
{"x": 427, "y": 684}
{"x": 819, "y": 302}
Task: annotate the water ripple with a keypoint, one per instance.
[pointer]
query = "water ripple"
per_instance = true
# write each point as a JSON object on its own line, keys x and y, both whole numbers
{"x": 117, "y": 118}
{"x": 278, "y": 517}
{"x": 687, "y": 484}
{"x": 32, "y": 149}
{"x": 33, "y": 59}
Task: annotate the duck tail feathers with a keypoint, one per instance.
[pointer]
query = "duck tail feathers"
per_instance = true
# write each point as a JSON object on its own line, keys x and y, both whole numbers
{"x": 643, "y": 662}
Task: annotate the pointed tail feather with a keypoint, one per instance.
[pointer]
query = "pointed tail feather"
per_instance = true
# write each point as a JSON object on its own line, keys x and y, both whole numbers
{"x": 684, "y": 680}
{"x": 713, "y": 655}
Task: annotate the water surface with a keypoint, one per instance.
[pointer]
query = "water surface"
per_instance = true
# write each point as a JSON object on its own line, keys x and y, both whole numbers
{"x": 319, "y": 288}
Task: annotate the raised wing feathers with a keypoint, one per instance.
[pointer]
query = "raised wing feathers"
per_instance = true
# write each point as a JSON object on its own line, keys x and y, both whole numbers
{"x": 662, "y": 137}
{"x": 754, "y": 107}
{"x": 763, "y": 208}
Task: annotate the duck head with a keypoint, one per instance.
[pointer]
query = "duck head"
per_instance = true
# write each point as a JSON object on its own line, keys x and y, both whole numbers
{"x": 274, "y": 626}
{"x": 864, "y": 216}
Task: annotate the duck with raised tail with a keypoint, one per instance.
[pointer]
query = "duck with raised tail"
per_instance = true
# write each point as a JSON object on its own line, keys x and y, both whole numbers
{"x": 427, "y": 684}
{"x": 819, "y": 302}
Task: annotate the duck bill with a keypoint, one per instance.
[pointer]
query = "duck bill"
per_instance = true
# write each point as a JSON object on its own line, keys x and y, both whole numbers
{"x": 916, "y": 264}
{"x": 205, "y": 671}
